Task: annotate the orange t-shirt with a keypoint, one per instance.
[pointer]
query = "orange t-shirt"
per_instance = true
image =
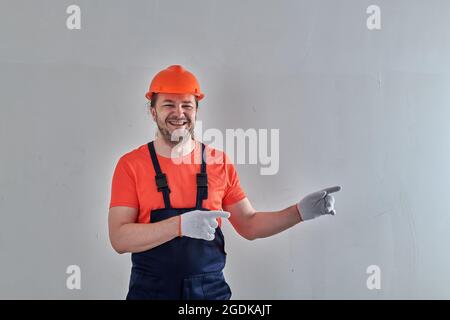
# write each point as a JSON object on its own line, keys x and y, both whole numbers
{"x": 133, "y": 183}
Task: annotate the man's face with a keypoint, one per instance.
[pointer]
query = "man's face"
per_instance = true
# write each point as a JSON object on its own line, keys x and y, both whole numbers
{"x": 175, "y": 116}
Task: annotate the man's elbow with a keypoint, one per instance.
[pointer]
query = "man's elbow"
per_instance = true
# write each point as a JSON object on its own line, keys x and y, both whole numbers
{"x": 118, "y": 246}
{"x": 246, "y": 231}
{"x": 251, "y": 238}
{"x": 248, "y": 234}
{"x": 120, "y": 251}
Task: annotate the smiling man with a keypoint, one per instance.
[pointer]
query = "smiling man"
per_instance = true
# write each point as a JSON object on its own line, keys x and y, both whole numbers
{"x": 169, "y": 197}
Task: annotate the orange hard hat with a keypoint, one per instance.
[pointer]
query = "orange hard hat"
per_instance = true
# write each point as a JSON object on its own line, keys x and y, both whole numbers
{"x": 174, "y": 79}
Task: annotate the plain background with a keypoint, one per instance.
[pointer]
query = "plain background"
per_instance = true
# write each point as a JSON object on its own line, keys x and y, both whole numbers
{"x": 367, "y": 110}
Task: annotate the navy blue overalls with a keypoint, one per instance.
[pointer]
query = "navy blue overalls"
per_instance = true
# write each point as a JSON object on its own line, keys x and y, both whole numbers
{"x": 184, "y": 267}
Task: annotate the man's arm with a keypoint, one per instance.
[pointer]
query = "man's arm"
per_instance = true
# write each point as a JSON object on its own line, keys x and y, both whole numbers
{"x": 128, "y": 236}
{"x": 253, "y": 225}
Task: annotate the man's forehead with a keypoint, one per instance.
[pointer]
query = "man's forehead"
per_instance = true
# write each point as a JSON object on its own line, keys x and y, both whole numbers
{"x": 176, "y": 97}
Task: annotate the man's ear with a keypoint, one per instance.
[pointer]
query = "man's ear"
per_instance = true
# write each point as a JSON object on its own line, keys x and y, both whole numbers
{"x": 153, "y": 112}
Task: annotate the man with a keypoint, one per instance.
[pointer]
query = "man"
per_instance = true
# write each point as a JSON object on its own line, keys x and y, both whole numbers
{"x": 168, "y": 199}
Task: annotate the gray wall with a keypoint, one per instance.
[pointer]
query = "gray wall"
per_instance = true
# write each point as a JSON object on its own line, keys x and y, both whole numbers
{"x": 364, "y": 109}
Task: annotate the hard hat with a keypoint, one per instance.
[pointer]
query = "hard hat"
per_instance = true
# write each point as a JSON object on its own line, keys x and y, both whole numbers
{"x": 174, "y": 79}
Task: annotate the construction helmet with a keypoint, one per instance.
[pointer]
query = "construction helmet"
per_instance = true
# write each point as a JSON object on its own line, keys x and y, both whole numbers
{"x": 174, "y": 79}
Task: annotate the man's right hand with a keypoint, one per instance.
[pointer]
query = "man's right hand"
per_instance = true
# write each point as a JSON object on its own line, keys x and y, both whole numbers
{"x": 201, "y": 224}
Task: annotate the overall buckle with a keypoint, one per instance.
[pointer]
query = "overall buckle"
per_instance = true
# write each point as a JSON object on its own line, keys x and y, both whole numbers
{"x": 161, "y": 182}
{"x": 202, "y": 180}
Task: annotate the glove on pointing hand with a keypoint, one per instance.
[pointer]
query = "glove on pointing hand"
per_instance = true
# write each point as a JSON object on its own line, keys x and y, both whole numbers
{"x": 201, "y": 224}
{"x": 317, "y": 204}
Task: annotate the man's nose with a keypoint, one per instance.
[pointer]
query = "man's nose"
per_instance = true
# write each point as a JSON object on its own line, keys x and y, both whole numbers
{"x": 179, "y": 110}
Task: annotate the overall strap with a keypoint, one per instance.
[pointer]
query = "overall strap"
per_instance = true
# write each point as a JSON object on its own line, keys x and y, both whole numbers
{"x": 160, "y": 178}
{"x": 202, "y": 182}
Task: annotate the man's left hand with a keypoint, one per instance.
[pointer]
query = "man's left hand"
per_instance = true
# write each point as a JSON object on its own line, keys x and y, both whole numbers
{"x": 317, "y": 204}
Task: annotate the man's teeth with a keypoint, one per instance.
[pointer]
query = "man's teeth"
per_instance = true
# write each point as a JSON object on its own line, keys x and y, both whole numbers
{"x": 177, "y": 123}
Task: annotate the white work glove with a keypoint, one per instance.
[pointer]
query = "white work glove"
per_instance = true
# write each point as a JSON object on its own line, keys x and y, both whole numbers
{"x": 201, "y": 224}
{"x": 317, "y": 204}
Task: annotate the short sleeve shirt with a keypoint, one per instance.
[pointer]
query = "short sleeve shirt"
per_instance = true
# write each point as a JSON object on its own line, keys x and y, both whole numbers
{"x": 133, "y": 183}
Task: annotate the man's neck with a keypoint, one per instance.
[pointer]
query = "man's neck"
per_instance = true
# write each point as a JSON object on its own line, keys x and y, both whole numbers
{"x": 168, "y": 150}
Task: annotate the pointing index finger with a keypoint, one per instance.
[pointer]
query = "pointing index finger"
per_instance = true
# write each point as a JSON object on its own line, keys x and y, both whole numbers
{"x": 217, "y": 214}
{"x": 332, "y": 189}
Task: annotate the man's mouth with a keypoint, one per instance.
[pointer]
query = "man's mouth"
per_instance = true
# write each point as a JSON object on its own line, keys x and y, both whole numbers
{"x": 177, "y": 123}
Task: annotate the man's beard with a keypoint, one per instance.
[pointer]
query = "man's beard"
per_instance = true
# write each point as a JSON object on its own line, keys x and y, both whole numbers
{"x": 178, "y": 135}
